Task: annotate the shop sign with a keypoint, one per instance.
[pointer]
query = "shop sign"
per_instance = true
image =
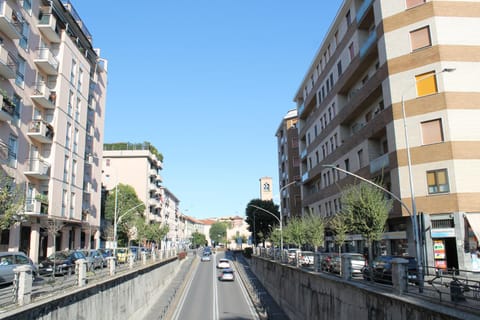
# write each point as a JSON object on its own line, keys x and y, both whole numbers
{"x": 443, "y": 233}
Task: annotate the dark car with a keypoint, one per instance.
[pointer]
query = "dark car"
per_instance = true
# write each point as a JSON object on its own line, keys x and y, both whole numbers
{"x": 60, "y": 262}
{"x": 11, "y": 260}
{"x": 381, "y": 269}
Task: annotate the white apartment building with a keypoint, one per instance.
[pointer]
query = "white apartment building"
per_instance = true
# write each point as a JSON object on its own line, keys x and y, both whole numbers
{"x": 393, "y": 94}
{"x": 53, "y": 86}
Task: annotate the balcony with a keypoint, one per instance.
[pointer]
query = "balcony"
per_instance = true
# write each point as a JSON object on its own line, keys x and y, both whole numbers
{"x": 9, "y": 21}
{"x": 303, "y": 154}
{"x": 305, "y": 176}
{"x": 47, "y": 25}
{"x": 8, "y": 66}
{"x": 371, "y": 40}
{"x": 379, "y": 163}
{"x": 87, "y": 187}
{"x": 43, "y": 96}
{"x": 46, "y": 62}
{"x": 153, "y": 202}
{"x": 362, "y": 11}
{"x": 38, "y": 168}
{"x": 35, "y": 207}
{"x": 153, "y": 172}
{"x": 40, "y": 131}
{"x": 301, "y": 109}
{"x": 8, "y": 108}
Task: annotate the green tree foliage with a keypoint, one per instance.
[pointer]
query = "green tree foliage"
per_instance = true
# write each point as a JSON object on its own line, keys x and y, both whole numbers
{"x": 198, "y": 239}
{"x": 339, "y": 226}
{"x": 218, "y": 232}
{"x": 314, "y": 230}
{"x": 295, "y": 232}
{"x": 261, "y": 220}
{"x": 366, "y": 209}
{"x": 151, "y": 232}
{"x": 129, "y": 209}
{"x": 133, "y": 146}
{"x": 12, "y": 200}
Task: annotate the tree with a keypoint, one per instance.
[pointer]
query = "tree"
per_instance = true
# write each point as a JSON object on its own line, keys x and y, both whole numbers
{"x": 295, "y": 232}
{"x": 198, "y": 239}
{"x": 151, "y": 232}
{"x": 218, "y": 232}
{"x": 129, "y": 208}
{"x": 260, "y": 220}
{"x": 366, "y": 212}
{"x": 339, "y": 226}
{"x": 12, "y": 200}
{"x": 314, "y": 230}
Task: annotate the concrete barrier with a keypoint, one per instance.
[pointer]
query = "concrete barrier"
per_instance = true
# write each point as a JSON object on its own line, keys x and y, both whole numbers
{"x": 308, "y": 295}
{"x": 122, "y": 296}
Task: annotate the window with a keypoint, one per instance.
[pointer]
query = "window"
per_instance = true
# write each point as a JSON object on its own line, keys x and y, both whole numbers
{"x": 420, "y": 38}
{"x": 432, "y": 131}
{"x": 73, "y": 71}
{"x": 348, "y": 17}
{"x": 336, "y": 38}
{"x": 68, "y": 136}
{"x": 352, "y": 51}
{"x": 77, "y": 110}
{"x": 20, "y": 78}
{"x": 339, "y": 68}
{"x": 80, "y": 80}
{"x": 74, "y": 171}
{"x": 27, "y": 5}
{"x": 437, "y": 181}
{"x": 414, "y": 3}
{"x": 426, "y": 84}
{"x": 75, "y": 140}
{"x": 64, "y": 202}
{"x": 331, "y": 79}
{"x": 360, "y": 158}
{"x": 12, "y": 151}
{"x": 65, "y": 169}
{"x": 24, "y": 37}
{"x": 72, "y": 205}
{"x": 70, "y": 103}
{"x": 16, "y": 112}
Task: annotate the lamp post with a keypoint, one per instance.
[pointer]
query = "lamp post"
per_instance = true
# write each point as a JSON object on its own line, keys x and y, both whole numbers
{"x": 416, "y": 230}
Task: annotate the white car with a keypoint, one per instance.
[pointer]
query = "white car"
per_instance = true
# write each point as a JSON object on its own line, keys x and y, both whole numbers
{"x": 226, "y": 275}
{"x": 206, "y": 257}
{"x": 223, "y": 264}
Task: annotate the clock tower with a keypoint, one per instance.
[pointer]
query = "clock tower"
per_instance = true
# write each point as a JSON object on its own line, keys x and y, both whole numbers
{"x": 266, "y": 192}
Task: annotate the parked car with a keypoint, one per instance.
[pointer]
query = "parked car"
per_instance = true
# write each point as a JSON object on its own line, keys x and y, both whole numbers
{"x": 223, "y": 264}
{"x": 381, "y": 269}
{"x": 226, "y": 275}
{"x": 11, "y": 260}
{"x": 307, "y": 258}
{"x": 292, "y": 254}
{"x": 122, "y": 255}
{"x": 326, "y": 261}
{"x": 358, "y": 263}
{"x": 94, "y": 258}
{"x": 60, "y": 262}
{"x": 106, "y": 253}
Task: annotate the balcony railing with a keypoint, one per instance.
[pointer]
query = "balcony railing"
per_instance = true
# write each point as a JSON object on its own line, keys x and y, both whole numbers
{"x": 40, "y": 131}
{"x": 47, "y": 24}
{"x": 38, "y": 168}
{"x": 34, "y": 206}
{"x": 10, "y": 22}
{"x": 379, "y": 163}
{"x": 44, "y": 96}
{"x": 46, "y": 61}
{"x": 371, "y": 40}
{"x": 7, "y": 110}
{"x": 8, "y": 66}
{"x": 305, "y": 177}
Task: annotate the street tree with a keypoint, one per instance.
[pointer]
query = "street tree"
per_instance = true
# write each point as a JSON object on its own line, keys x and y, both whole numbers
{"x": 314, "y": 230}
{"x": 12, "y": 200}
{"x": 295, "y": 232}
{"x": 340, "y": 228}
{"x": 128, "y": 207}
{"x": 366, "y": 212}
{"x": 260, "y": 223}
{"x": 151, "y": 232}
{"x": 198, "y": 239}
{"x": 218, "y": 232}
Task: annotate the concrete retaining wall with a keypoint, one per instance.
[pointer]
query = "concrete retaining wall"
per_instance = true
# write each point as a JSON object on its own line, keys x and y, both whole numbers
{"x": 305, "y": 295}
{"x": 119, "y": 297}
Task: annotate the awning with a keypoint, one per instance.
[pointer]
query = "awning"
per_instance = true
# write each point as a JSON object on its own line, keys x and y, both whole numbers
{"x": 474, "y": 222}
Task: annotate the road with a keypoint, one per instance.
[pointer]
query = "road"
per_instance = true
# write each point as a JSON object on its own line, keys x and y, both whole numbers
{"x": 205, "y": 297}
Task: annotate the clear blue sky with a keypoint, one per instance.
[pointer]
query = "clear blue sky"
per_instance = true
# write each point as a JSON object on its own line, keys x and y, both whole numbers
{"x": 207, "y": 83}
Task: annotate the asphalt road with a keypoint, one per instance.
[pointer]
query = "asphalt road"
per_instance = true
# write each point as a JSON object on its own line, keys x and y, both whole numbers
{"x": 205, "y": 297}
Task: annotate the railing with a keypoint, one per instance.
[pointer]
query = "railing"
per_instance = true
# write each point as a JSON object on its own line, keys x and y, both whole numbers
{"x": 363, "y": 9}
{"x": 372, "y": 37}
{"x": 379, "y": 163}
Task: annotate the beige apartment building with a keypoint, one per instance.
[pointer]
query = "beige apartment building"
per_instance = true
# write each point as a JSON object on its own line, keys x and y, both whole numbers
{"x": 137, "y": 166}
{"x": 289, "y": 166}
{"x": 393, "y": 94}
{"x": 53, "y": 86}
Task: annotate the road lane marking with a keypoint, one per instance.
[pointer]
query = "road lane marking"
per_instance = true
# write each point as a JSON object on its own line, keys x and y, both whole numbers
{"x": 215, "y": 290}
{"x": 185, "y": 292}
{"x": 246, "y": 296}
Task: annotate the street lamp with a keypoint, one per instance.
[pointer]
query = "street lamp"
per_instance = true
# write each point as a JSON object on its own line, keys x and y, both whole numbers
{"x": 416, "y": 230}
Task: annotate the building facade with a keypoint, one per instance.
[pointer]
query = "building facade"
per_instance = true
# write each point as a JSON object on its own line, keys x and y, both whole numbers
{"x": 289, "y": 166}
{"x": 391, "y": 95}
{"x": 53, "y": 85}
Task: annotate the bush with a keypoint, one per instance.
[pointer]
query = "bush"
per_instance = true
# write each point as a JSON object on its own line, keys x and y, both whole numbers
{"x": 247, "y": 252}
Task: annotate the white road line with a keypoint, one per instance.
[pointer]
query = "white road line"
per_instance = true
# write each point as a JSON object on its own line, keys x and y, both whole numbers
{"x": 215, "y": 291}
{"x": 246, "y": 296}
{"x": 179, "y": 308}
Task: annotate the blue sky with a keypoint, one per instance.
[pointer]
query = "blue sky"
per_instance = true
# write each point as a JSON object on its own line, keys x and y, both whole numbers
{"x": 208, "y": 83}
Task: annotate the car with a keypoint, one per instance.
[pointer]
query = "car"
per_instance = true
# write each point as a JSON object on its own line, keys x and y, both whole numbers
{"x": 206, "y": 257}
{"x": 122, "y": 255}
{"x": 223, "y": 264}
{"x": 307, "y": 258}
{"x": 292, "y": 254}
{"x": 207, "y": 251}
{"x": 226, "y": 275}
{"x": 95, "y": 259}
{"x": 357, "y": 259}
{"x": 381, "y": 269}
{"x": 60, "y": 262}
{"x": 326, "y": 261}
{"x": 11, "y": 260}
{"x": 106, "y": 253}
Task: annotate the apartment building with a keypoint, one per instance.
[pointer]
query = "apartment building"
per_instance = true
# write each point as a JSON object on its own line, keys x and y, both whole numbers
{"x": 392, "y": 94}
{"x": 289, "y": 166}
{"x": 53, "y": 89}
{"x": 172, "y": 218}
